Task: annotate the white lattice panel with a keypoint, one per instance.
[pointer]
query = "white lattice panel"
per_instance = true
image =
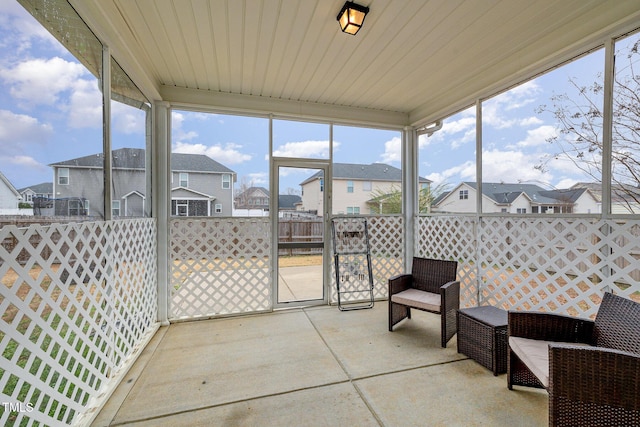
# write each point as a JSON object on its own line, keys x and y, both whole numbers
{"x": 76, "y": 300}
{"x": 623, "y": 240}
{"x": 554, "y": 264}
{"x": 386, "y": 241}
{"x": 219, "y": 266}
{"x": 451, "y": 238}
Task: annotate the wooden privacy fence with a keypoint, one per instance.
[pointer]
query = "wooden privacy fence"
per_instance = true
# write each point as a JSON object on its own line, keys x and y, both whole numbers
{"x": 300, "y": 231}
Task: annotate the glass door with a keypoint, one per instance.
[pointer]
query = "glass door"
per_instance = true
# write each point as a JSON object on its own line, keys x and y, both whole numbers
{"x": 301, "y": 224}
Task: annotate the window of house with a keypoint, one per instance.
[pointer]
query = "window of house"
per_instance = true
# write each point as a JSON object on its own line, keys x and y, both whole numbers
{"x": 226, "y": 181}
{"x": 464, "y": 194}
{"x": 366, "y": 186}
{"x": 521, "y": 210}
{"x": 75, "y": 207}
{"x": 218, "y": 208}
{"x": 353, "y": 210}
{"x": 115, "y": 208}
{"x": 349, "y": 186}
{"x": 321, "y": 184}
{"x": 86, "y": 207}
{"x": 182, "y": 208}
{"x": 184, "y": 179}
{"x": 63, "y": 176}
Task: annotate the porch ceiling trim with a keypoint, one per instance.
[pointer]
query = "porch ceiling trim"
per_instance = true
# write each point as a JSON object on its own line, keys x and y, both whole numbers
{"x": 199, "y": 99}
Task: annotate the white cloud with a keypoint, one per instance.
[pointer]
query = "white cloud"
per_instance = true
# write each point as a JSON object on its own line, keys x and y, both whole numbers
{"x": 463, "y": 172}
{"x": 85, "y": 108}
{"x": 392, "y": 150}
{"x": 20, "y": 28}
{"x": 531, "y": 121}
{"x": 127, "y": 120}
{"x": 177, "y": 119}
{"x": 304, "y": 149}
{"x": 511, "y": 166}
{"x": 566, "y": 183}
{"x": 227, "y": 154}
{"x": 456, "y": 132}
{"x": 493, "y": 110}
{"x": 538, "y": 136}
{"x": 20, "y": 130}
{"x": 258, "y": 178}
{"x": 27, "y": 161}
{"x": 521, "y": 95}
{"x": 42, "y": 81}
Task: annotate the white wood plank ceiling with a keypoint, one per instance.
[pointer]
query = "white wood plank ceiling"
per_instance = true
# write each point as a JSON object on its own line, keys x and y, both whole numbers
{"x": 413, "y": 61}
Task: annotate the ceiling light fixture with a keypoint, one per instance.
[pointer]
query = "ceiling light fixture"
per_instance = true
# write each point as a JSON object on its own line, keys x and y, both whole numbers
{"x": 351, "y": 17}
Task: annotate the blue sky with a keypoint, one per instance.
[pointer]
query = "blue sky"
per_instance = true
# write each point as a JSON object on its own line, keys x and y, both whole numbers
{"x": 50, "y": 111}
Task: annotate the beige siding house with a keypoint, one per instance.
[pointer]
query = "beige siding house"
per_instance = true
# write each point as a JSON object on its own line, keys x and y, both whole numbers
{"x": 356, "y": 187}
{"x": 517, "y": 199}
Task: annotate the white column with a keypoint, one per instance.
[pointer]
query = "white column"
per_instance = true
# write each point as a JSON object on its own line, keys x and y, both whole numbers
{"x": 409, "y": 191}
{"x": 479, "y": 157}
{"x": 607, "y": 126}
{"x": 161, "y": 180}
{"x": 106, "y": 130}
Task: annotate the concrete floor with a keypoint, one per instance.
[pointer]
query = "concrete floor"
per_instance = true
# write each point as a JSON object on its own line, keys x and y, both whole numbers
{"x": 314, "y": 367}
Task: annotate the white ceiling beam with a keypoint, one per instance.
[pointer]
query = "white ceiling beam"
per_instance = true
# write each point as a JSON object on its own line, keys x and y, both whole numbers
{"x": 199, "y": 99}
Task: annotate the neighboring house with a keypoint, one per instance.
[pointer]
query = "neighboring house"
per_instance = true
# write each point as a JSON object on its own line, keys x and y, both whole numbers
{"x": 252, "y": 198}
{"x": 625, "y": 199}
{"x": 255, "y": 201}
{"x": 200, "y": 185}
{"x": 356, "y": 188}
{"x": 9, "y": 197}
{"x": 41, "y": 191}
{"x": 289, "y": 202}
{"x": 517, "y": 199}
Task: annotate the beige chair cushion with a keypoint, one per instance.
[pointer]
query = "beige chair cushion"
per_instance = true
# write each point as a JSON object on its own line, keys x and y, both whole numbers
{"x": 418, "y": 299}
{"x": 535, "y": 354}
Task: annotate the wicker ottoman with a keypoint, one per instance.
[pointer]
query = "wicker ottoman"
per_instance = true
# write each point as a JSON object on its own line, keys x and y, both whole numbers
{"x": 482, "y": 335}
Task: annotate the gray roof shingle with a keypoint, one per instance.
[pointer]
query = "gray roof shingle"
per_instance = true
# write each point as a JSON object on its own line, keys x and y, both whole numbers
{"x": 134, "y": 158}
{"x": 362, "y": 172}
{"x": 42, "y": 188}
{"x": 504, "y": 193}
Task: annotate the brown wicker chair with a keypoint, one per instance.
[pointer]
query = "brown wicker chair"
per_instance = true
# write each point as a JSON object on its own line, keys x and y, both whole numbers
{"x": 594, "y": 366}
{"x": 431, "y": 287}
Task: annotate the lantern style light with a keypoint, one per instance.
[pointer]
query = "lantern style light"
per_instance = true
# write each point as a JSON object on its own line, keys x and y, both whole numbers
{"x": 351, "y": 17}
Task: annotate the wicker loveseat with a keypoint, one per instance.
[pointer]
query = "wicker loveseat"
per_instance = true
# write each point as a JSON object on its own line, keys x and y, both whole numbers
{"x": 591, "y": 369}
{"x": 432, "y": 287}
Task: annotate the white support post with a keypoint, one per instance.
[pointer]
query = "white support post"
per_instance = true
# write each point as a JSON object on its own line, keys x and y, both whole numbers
{"x": 607, "y": 126}
{"x": 162, "y": 202}
{"x": 409, "y": 191}
{"x": 478, "y": 198}
{"x": 479, "y": 157}
{"x": 106, "y": 131}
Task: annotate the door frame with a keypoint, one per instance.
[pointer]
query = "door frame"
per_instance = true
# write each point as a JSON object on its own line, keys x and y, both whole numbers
{"x": 325, "y": 166}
